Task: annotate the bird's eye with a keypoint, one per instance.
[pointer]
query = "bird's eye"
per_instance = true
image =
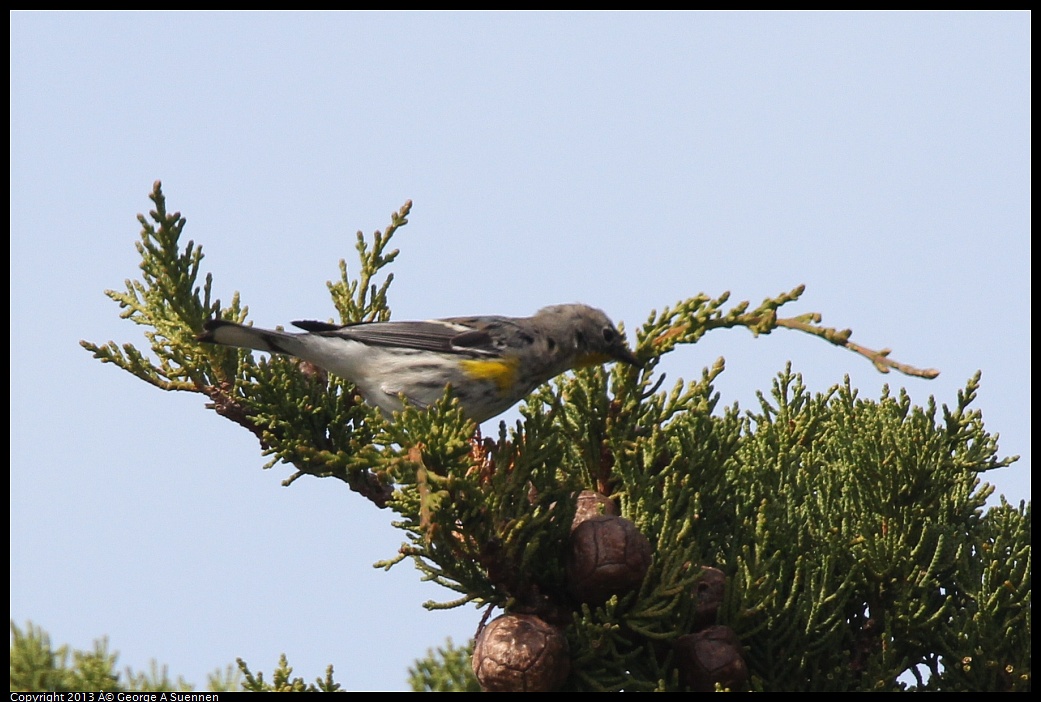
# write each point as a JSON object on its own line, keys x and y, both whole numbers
{"x": 610, "y": 335}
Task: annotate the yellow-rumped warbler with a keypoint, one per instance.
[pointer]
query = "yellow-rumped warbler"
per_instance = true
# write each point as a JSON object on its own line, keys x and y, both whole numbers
{"x": 490, "y": 362}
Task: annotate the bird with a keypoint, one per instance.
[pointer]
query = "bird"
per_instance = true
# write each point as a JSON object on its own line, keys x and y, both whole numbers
{"x": 490, "y": 362}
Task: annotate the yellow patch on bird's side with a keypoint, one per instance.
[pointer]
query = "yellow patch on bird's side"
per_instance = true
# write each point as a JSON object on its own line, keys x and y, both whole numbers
{"x": 502, "y": 371}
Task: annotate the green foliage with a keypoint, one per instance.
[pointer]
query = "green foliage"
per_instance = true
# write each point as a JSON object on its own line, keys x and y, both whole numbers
{"x": 37, "y": 665}
{"x": 851, "y": 557}
{"x": 446, "y": 669}
{"x": 853, "y": 533}
{"x": 282, "y": 680}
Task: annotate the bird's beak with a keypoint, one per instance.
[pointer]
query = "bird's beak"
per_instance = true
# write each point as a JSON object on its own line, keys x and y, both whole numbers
{"x": 626, "y": 356}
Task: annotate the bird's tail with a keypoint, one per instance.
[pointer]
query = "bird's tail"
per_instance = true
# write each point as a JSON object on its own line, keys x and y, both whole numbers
{"x": 225, "y": 333}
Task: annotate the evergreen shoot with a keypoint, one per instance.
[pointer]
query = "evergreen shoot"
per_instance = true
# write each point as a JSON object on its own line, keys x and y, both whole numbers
{"x": 821, "y": 541}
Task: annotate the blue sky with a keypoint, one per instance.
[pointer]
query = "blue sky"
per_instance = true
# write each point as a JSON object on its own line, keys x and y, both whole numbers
{"x": 623, "y": 160}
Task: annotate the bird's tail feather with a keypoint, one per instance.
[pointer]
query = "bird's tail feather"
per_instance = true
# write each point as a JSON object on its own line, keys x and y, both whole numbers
{"x": 225, "y": 333}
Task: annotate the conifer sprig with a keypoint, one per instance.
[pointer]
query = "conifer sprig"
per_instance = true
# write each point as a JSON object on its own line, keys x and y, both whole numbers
{"x": 852, "y": 531}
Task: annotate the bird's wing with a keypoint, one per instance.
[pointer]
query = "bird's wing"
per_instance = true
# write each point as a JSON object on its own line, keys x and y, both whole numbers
{"x": 442, "y": 336}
